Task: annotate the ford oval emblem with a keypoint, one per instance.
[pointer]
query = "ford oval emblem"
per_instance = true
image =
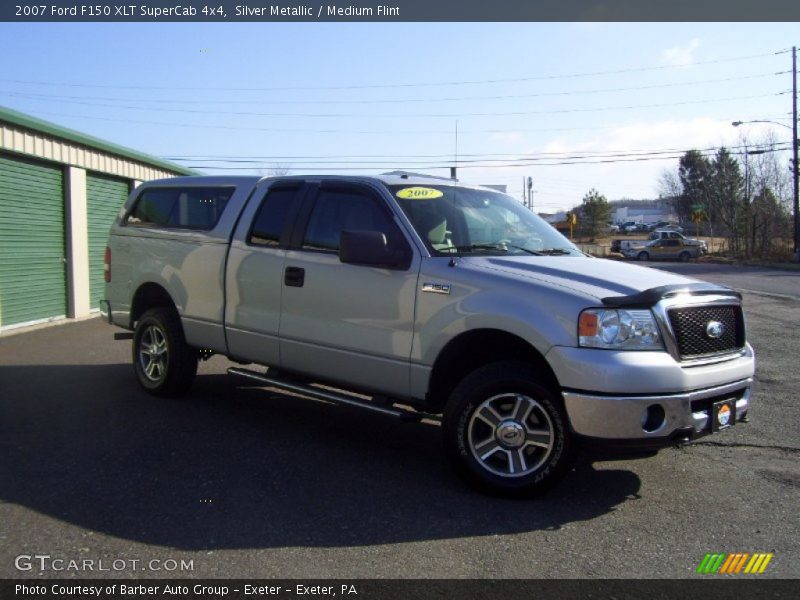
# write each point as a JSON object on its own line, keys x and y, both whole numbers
{"x": 715, "y": 329}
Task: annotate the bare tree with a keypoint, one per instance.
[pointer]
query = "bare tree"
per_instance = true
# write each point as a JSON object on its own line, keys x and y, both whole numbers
{"x": 276, "y": 170}
{"x": 669, "y": 184}
{"x": 770, "y": 205}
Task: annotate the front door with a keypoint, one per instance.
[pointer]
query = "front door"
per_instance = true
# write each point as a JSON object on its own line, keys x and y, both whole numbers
{"x": 344, "y": 322}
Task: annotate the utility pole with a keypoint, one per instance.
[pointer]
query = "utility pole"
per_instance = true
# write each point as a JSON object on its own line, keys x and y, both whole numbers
{"x": 524, "y": 193}
{"x": 795, "y": 166}
{"x": 530, "y": 193}
{"x": 747, "y": 207}
{"x": 454, "y": 168}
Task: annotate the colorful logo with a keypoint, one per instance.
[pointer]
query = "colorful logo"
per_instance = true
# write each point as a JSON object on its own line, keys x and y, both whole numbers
{"x": 734, "y": 563}
{"x": 724, "y": 415}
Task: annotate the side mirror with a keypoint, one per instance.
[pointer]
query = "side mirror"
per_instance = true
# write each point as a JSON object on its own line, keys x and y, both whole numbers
{"x": 370, "y": 248}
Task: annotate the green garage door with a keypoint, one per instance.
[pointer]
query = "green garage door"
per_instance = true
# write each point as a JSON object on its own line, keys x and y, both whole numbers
{"x": 32, "y": 265}
{"x": 104, "y": 196}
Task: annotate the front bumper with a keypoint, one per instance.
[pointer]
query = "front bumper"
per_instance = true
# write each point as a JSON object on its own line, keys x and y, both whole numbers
{"x": 621, "y": 419}
{"x": 641, "y": 373}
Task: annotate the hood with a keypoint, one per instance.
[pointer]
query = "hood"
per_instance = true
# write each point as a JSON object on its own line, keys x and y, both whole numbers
{"x": 594, "y": 277}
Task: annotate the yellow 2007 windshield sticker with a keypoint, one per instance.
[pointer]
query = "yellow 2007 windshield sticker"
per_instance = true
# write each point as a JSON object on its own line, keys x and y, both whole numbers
{"x": 419, "y": 193}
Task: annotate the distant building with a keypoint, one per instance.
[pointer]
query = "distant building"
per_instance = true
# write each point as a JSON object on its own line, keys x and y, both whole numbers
{"x": 643, "y": 212}
{"x": 555, "y": 217}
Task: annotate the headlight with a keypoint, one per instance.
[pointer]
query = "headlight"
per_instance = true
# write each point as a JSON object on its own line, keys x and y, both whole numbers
{"x": 619, "y": 329}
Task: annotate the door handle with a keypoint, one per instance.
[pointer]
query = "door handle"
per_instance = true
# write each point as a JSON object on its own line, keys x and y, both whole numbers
{"x": 294, "y": 276}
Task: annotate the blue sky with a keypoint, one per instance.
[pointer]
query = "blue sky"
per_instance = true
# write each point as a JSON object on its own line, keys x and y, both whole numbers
{"x": 369, "y": 97}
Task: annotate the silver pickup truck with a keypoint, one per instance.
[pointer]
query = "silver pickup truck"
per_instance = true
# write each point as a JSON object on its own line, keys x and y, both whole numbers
{"x": 420, "y": 298}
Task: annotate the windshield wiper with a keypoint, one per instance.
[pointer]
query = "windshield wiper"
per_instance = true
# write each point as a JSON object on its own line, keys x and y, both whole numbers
{"x": 554, "y": 251}
{"x": 503, "y": 247}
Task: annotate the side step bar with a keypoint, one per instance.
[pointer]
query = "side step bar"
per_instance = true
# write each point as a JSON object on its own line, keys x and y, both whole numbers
{"x": 330, "y": 396}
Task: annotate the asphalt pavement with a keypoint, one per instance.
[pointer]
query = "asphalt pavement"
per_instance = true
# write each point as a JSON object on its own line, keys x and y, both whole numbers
{"x": 245, "y": 482}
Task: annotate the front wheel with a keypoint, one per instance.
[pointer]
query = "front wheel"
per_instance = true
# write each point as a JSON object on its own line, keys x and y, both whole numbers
{"x": 505, "y": 433}
{"x": 164, "y": 364}
{"x": 684, "y": 256}
{"x": 644, "y": 256}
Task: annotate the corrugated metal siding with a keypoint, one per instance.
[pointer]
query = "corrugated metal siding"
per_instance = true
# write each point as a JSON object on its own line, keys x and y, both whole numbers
{"x": 40, "y": 145}
{"x": 104, "y": 196}
{"x": 32, "y": 265}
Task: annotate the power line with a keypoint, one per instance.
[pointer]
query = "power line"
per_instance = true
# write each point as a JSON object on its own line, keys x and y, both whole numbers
{"x": 397, "y": 85}
{"x": 447, "y": 165}
{"x": 414, "y": 115}
{"x": 474, "y": 158}
{"x": 393, "y": 100}
{"x": 348, "y": 131}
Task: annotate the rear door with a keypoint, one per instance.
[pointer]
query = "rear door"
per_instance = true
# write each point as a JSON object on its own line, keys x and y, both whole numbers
{"x": 254, "y": 272}
{"x": 345, "y": 322}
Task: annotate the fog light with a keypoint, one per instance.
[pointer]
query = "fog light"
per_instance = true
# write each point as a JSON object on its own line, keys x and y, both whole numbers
{"x": 653, "y": 418}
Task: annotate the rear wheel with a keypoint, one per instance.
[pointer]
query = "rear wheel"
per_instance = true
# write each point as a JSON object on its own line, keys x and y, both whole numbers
{"x": 506, "y": 433}
{"x": 164, "y": 364}
{"x": 644, "y": 256}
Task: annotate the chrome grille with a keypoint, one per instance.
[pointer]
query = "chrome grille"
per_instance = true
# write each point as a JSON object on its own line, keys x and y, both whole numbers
{"x": 690, "y": 325}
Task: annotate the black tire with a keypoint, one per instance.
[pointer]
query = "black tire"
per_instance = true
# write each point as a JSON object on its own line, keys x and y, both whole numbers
{"x": 684, "y": 256}
{"x": 177, "y": 362}
{"x": 509, "y": 470}
{"x": 643, "y": 256}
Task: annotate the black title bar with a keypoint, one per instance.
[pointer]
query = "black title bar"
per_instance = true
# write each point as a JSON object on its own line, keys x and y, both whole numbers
{"x": 400, "y": 10}
{"x": 706, "y": 587}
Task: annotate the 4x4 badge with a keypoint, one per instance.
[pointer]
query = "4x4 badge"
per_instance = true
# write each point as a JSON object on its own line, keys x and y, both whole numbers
{"x": 715, "y": 329}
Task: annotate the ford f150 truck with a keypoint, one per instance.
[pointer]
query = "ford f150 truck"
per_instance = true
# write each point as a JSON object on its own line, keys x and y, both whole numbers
{"x": 419, "y": 297}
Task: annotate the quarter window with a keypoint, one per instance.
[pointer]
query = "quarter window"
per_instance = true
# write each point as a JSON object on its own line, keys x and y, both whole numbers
{"x": 180, "y": 208}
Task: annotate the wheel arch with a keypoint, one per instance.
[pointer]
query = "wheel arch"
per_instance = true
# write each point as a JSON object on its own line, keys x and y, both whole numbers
{"x": 149, "y": 295}
{"x": 472, "y": 349}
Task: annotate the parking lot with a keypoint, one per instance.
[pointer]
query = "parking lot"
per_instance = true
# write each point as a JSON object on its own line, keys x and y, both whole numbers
{"x": 245, "y": 482}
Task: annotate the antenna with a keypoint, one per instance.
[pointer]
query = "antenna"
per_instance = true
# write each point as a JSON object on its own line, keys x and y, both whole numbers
{"x": 453, "y": 171}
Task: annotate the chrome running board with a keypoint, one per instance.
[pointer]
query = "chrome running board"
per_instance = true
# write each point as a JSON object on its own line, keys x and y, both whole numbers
{"x": 331, "y": 396}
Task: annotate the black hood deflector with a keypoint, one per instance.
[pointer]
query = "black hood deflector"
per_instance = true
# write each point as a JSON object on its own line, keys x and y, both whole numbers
{"x": 651, "y": 297}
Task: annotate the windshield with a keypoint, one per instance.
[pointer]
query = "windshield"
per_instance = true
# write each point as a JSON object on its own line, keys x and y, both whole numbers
{"x": 454, "y": 220}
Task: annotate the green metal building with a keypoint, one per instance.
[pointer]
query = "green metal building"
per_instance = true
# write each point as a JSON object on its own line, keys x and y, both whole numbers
{"x": 59, "y": 193}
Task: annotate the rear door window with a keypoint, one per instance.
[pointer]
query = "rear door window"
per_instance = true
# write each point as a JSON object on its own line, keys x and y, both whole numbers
{"x": 271, "y": 219}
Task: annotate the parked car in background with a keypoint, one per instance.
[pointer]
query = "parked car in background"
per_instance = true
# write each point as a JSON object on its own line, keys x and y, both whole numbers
{"x": 634, "y": 228}
{"x": 665, "y": 249}
{"x": 672, "y": 234}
